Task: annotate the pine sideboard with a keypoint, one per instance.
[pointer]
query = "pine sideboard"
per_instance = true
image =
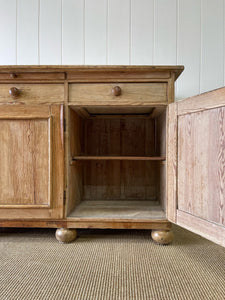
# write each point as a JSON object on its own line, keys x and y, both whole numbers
{"x": 107, "y": 147}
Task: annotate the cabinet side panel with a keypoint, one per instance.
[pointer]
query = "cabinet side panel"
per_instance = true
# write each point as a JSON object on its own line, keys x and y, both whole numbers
{"x": 201, "y": 164}
{"x": 161, "y": 134}
{"x": 24, "y": 160}
{"x": 162, "y": 185}
{"x": 161, "y": 131}
{"x": 172, "y": 162}
{"x": 75, "y": 140}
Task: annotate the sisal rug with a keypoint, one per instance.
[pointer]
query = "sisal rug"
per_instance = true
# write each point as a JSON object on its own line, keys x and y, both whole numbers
{"x": 109, "y": 264}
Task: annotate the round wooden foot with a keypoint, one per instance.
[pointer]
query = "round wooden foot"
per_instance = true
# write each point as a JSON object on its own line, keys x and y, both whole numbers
{"x": 65, "y": 235}
{"x": 163, "y": 237}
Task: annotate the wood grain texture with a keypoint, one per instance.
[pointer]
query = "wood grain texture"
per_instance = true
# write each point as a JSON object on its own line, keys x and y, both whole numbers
{"x": 118, "y": 179}
{"x": 25, "y": 162}
{"x": 161, "y": 143}
{"x": 116, "y": 165}
{"x": 88, "y": 157}
{"x": 162, "y": 185}
{"x": 208, "y": 230}
{"x": 101, "y": 94}
{"x": 94, "y": 180}
{"x": 117, "y": 137}
{"x": 32, "y": 162}
{"x": 119, "y": 223}
{"x": 119, "y": 76}
{"x": 161, "y": 134}
{"x": 33, "y": 93}
{"x": 75, "y": 173}
{"x": 172, "y": 162}
{"x": 31, "y": 76}
{"x": 201, "y": 102}
{"x": 201, "y": 162}
{"x": 119, "y": 209}
{"x": 103, "y": 72}
{"x": 57, "y": 162}
{"x": 36, "y": 223}
{"x": 117, "y": 111}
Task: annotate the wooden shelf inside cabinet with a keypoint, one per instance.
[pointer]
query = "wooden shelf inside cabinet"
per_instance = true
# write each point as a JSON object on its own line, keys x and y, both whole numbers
{"x": 153, "y": 158}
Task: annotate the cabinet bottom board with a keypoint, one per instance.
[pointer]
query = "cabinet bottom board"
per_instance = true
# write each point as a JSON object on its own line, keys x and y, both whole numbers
{"x": 133, "y": 210}
{"x": 105, "y": 214}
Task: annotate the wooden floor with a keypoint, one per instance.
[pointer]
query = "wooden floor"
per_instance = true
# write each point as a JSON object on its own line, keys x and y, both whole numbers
{"x": 119, "y": 209}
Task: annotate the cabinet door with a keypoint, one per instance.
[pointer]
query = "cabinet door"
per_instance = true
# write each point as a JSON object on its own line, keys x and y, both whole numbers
{"x": 196, "y": 164}
{"x": 31, "y": 160}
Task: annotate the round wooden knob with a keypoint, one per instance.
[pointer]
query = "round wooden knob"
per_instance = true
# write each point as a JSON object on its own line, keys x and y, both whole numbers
{"x": 116, "y": 91}
{"x": 14, "y": 92}
{"x": 12, "y": 75}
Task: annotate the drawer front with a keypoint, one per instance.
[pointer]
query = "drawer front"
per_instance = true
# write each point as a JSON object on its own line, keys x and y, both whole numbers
{"x": 20, "y": 76}
{"x": 118, "y": 94}
{"x": 31, "y": 93}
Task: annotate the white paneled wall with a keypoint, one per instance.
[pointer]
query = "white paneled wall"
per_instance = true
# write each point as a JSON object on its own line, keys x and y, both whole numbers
{"x": 188, "y": 32}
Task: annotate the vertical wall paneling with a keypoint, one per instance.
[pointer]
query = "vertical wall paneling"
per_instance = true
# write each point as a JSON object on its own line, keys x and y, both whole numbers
{"x": 212, "y": 45}
{"x": 189, "y": 47}
{"x": 119, "y": 32}
{"x": 27, "y": 32}
{"x": 165, "y": 32}
{"x": 8, "y": 32}
{"x": 50, "y": 34}
{"x": 95, "y": 31}
{"x": 142, "y": 26}
{"x": 72, "y": 32}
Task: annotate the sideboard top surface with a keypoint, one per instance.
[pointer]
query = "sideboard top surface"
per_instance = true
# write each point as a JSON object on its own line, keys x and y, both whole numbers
{"x": 71, "y": 71}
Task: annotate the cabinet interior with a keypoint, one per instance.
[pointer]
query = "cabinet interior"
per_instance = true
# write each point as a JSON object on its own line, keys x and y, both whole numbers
{"x": 117, "y": 162}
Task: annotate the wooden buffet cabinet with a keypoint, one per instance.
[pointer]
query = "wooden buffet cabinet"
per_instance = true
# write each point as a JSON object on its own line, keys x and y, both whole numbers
{"x": 106, "y": 147}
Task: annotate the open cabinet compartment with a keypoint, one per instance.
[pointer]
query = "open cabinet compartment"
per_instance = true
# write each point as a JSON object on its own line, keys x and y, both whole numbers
{"x": 117, "y": 162}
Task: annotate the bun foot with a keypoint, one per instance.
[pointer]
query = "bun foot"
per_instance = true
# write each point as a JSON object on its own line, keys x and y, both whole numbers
{"x": 162, "y": 237}
{"x": 65, "y": 235}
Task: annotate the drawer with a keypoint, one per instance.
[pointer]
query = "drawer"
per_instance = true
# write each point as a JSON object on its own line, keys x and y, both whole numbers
{"x": 31, "y": 93}
{"x": 20, "y": 76}
{"x": 118, "y": 93}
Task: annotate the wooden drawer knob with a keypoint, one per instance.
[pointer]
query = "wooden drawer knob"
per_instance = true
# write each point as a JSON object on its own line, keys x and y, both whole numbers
{"x": 14, "y": 92}
{"x": 12, "y": 75}
{"x": 116, "y": 91}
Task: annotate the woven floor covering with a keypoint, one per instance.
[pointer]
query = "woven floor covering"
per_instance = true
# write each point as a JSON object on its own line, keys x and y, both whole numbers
{"x": 109, "y": 264}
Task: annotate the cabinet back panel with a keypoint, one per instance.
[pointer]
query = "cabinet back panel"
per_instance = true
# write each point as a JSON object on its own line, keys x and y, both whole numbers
{"x": 119, "y": 180}
{"x": 24, "y": 161}
{"x": 201, "y": 164}
{"x": 119, "y": 137}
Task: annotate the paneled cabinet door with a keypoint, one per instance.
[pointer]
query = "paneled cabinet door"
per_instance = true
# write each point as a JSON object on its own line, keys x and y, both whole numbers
{"x": 31, "y": 161}
{"x": 196, "y": 164}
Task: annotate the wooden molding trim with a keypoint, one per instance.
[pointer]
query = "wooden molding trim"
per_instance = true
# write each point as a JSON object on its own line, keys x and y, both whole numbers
{"x": 81, "y": 73}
